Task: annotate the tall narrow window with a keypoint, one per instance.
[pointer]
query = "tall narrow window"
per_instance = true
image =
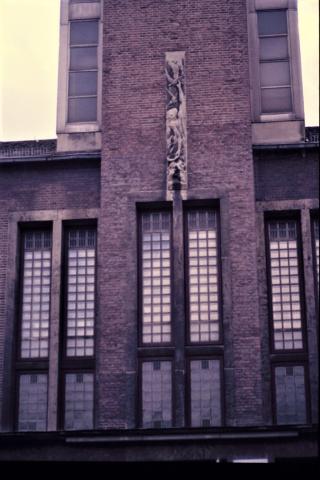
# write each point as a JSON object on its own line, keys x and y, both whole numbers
{"x": 204, "y": 303}
{"x": 290, "y": 394}
{"x": 83, "y": 71}
{"x": 36, "y": 294}
{"x": 205, "y": 393}
{"x": 156, "y": 277}
{"x": 156, "y": 394}
{"x": 79, "y": 323}
{"x": 33, "y": 346}
{"x": 81, "y": 292}
{"x": 285, "y": 271}
{"x": 274, "y": 62}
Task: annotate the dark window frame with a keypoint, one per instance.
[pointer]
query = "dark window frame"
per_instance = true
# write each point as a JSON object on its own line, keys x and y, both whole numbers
{"x": 205, "y": 206}
{"x": 75, "y": 364}
{"x": 64, "y": 297}
{"x": 22, "y": 365}
{"x": 192, "y": 351}
{"x": 153, "y": 208}
{"x": 293, "y": 216}
{"x": 291, "y": 363}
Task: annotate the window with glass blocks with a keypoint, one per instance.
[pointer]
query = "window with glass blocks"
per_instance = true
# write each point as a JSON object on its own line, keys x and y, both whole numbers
{"x": 203, "y": 276}
{"x": 275, "y": 77}
{"x": 284, "y": 265}
{"x": 80, "y": 301}
{"x": 78, "y": 327}
{"x": 83, "y": 71}
{"x": 34, "y": 320}
{"x": 202, "y": 322}
{"x": 155, "y": 277}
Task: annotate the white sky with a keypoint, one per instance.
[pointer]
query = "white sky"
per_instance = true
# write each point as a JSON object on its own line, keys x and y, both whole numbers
{"x": 29, "y": 38}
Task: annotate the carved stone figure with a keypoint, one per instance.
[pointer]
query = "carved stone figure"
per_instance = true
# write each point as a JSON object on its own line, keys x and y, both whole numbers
{"x": 176, "y": 122}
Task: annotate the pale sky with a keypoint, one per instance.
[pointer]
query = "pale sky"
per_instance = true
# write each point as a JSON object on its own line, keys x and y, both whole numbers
{"x": 29, "y": 38}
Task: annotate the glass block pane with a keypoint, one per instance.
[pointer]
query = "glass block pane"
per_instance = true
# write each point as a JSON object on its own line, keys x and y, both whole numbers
{"x": 274, "y": 74}
{"x": 205, "y": 393}
{"x": 82, "y": 83}
{"x": 33, "y": 392}
{"x": 83, "y": 109}
{"x": 83, "y": 58}
{"x": 290, "y": 395}
{"x": 79, "y": 394}
{"x": 84, "y": 32}
{"x": 273, "y": 48}
{"x": 36, "y": 294}
{"x": 156, "y": 278}
{"x": 272, "y": 22}
{"x": 286, "y": 301}
{"x": 203, "y": 276}
{"x": 156, "y": 394}
{"x": 276, "y": 100}
{"x": 80, "y": 299}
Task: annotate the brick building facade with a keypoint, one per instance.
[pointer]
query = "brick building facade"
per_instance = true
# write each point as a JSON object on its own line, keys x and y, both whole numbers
{"x": 158, "y": 262}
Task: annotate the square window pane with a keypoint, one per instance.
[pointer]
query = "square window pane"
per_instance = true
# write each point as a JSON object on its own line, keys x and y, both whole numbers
{"x": 273, "y": 48}
{"x": 82, "y": 83}
{"x": 276, "y": 100}
{"x": 84, "y": 32}
{"x": 83, "y": 58}
{"x": 272, "y": 22}
{"x": 274, "y": 74}
{"x": 82, "y": 109}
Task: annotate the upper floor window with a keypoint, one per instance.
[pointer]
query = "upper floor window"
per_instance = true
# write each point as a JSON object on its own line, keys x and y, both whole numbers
{"x": 32, "y": 363}
{"x": 203, "y": 276}
{"x": 156, "y": 277}
{"x": 36, "y": 280}
{"x": 286, "y": 292}
{"x": 83, "y": 71}
{"x": 275, "y": 77}
{"x": 80, "y": 301}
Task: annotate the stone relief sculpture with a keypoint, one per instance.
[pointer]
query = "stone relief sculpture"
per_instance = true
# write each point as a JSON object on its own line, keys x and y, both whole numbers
{"x": 176, "y": 132}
